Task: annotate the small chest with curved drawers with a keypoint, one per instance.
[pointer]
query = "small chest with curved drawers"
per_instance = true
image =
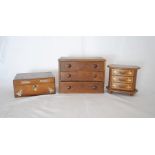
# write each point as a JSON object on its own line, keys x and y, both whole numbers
{"x": 81, "y": 75}
{"x": 31, "y": 84}
{"x": 122, "y": 79}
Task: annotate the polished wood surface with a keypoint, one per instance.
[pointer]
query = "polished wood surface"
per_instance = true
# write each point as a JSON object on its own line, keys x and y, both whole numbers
{"x": 82, "y": 66}
{"x": 30, "y": 84}
{"x": 122, "y": 79}
{"x": 82, "y": 76}
{"x": 70, "y": 59}
{"x": 81, "y": 73}
{"x": 81, "y": 87}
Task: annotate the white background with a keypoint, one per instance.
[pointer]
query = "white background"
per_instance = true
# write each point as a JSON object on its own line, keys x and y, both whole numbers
{"x": 81, "y": 18}
{"x": 37, "y": 54}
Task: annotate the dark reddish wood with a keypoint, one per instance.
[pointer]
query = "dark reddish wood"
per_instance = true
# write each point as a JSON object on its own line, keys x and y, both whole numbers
{"x": 122, "y": 79}
{"x": 81, "y": 87}
{"x": 81, "y": 73}
{"x": 82, "y": 76}
{"x": 94, "y": 66}
{"x": 29, "y": 84}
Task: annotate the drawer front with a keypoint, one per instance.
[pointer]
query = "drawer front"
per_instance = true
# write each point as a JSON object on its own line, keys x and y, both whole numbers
{"x": 82, "y": 66}
{"x": 123, "y": 72}
{"x": 122, "y": 79}
{"x": 82, "y": 76}
{"x": 37, "y": 89}
{"x": 120, "y": 86}
{"x": 81, "y": 87}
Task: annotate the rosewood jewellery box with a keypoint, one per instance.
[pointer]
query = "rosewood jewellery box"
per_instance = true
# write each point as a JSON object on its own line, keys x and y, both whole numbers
{"x": 81, "y": 75}
{"x": 122, "y": 79}
{"x": 31, "y": 84}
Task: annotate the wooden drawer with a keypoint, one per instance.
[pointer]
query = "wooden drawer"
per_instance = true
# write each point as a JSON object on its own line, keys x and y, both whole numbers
{"x": 121, "y": 86}
{"x": 81, "y": 87}
{"x": 82, "y": 76}
{"x": 82, "y": 66}
{"x": 37, "y": 89}
{"x": 122, "y": 79}
{"x": 123, "y": 72}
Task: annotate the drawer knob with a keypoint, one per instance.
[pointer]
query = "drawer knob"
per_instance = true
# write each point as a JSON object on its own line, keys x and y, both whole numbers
{"x": 95, "y": 76}
{"x": 130, "y": 72}
{"x": 19, "y": 93}
{"x": 34, "y": 87}
{"x": 68, "y": 75}
{"x": 94, "y": 87}
{"x": 121, "y": 79}
{"x": 69, "y": 65}
{"x": 95, "y": 65}
{"x": 69, "y": 87}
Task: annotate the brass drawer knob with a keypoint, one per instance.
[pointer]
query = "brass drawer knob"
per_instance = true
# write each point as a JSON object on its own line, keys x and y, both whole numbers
{"x": 34, "y": 87}
{"x": 19, "y": 93}
{"x": 129, "y": 72}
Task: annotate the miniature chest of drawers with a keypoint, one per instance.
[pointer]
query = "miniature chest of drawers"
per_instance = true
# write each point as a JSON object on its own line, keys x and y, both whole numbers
{"x": 81, "y": 75}
{"x": 122, "y": 79}
{"x": 30, "y": 84}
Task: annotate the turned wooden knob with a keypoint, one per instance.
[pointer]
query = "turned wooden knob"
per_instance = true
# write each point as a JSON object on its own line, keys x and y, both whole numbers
{"x": 69, "y": 65}
{"x": 68, "y": 75}
{"x": 95, "y": 76}
{"x": 95, "y": 65}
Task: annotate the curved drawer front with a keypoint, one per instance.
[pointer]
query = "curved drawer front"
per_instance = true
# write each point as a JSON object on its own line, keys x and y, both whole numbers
{"x": 81, "y": 87}
{"x": 37, "y": 89}
{"x": 82, "y": 76}
{"x": 121, "y": 86}
{"x": 123, "y": 72}
{"x": 122, "y": 79}
{"x": 82, "y": 66}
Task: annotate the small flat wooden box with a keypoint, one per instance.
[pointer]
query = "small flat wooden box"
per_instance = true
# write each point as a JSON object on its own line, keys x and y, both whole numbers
{"x": 81, "y": 75}
{"x": 31, "y": 84}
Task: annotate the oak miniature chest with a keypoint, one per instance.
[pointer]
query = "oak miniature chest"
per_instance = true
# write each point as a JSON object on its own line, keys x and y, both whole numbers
{"x": 122, "y": 79}
{"x": 81, "y": 75}
{"x": 30, "y": 84}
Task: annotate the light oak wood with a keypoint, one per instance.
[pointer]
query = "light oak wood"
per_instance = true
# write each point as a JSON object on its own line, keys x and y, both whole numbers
{"x": 122, "y": 79}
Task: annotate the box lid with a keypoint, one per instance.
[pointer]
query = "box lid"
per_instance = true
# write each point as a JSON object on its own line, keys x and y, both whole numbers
{"x": 30, "y": 76}
{"x": 123, "y": 66}
{"x": 81, "y": 59}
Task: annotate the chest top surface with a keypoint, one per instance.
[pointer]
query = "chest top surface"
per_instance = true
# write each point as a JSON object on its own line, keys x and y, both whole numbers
{"x": 29, "y": 76}
{"x": 115, "y": 66}
{"x": 81, "y": 59}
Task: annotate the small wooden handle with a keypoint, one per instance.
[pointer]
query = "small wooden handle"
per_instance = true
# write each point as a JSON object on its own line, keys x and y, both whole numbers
{"x": 95, "y": 76}
{"x": 95, "y": 65}
{"x": 69, "y": 65}
{"x": 69, "y": 75}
